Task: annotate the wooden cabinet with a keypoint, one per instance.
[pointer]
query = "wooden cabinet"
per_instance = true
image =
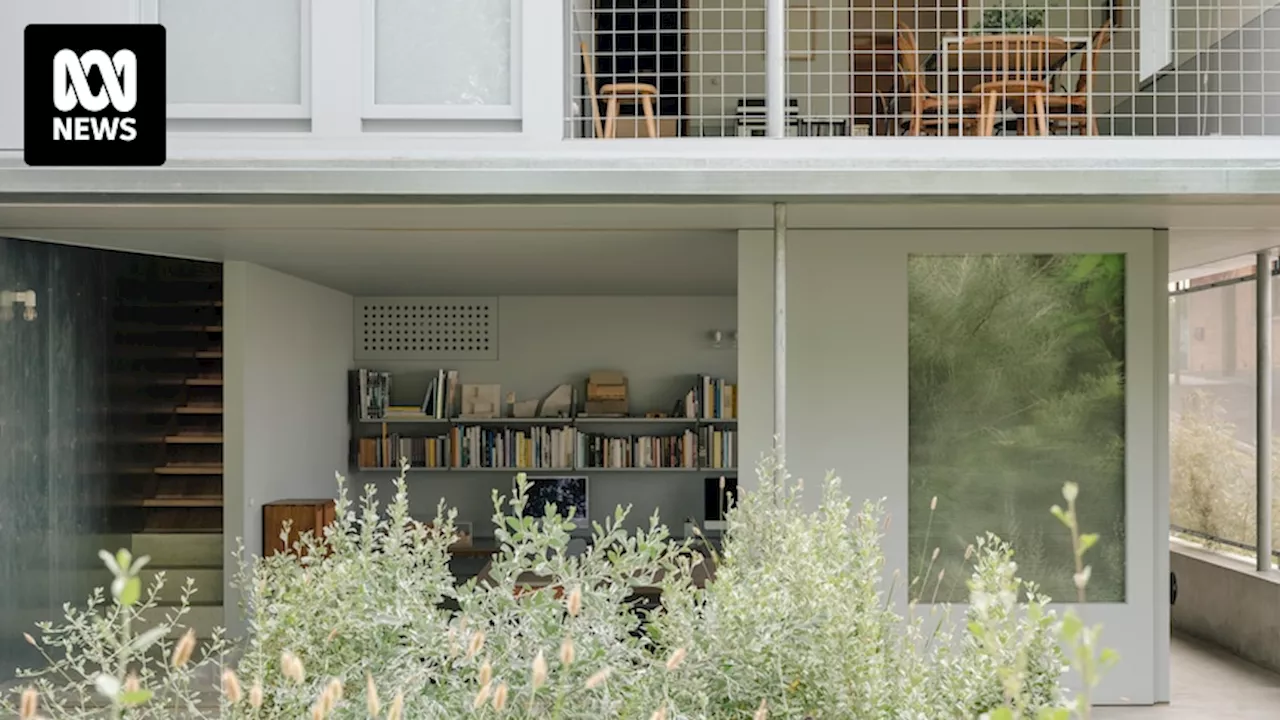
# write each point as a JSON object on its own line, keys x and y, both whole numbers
{"x": 304, "y": 515}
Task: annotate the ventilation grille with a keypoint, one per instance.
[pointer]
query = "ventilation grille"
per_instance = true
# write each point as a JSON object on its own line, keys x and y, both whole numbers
{"x": 427, "y": 328}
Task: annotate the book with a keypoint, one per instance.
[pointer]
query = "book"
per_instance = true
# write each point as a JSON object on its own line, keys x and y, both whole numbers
{"x": 638, "y": 451}
{"x": 710, "y": 399}
{"x": 372, "y": 390}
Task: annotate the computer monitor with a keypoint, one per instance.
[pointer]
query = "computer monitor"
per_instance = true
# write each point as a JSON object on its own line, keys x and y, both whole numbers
{"x": 565, "y": 492}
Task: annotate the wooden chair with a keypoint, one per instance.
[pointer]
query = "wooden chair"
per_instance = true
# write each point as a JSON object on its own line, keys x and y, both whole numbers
{"x": 1016, "y": 70}
{"x": 615, "y": 94}
{"x": 1073, "y": 109}
{"x": 926, "y": 106}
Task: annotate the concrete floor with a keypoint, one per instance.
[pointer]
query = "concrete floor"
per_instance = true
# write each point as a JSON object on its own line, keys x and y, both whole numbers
{"x": 1209, "y": 683}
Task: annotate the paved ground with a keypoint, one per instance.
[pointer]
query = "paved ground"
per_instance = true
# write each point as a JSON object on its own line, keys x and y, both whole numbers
{"x": 1209, "y": 684}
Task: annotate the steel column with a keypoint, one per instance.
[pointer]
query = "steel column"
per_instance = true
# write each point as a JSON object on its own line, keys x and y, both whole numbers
{"x": 1263, "y": 367}
{"x": 780, "y": 328}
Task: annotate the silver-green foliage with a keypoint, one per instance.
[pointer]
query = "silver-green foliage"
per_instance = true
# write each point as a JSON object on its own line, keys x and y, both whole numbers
{"x": 115, "y": 658}
{"x": 802, "y": 617}
{"x": 798, "y": 622}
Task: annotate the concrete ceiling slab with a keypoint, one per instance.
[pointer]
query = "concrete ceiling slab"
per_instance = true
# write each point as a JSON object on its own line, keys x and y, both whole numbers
{"x": 400, "y": 248}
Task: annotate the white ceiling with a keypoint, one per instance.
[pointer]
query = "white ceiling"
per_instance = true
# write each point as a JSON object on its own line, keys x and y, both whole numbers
{"x": 408, "y": 262}
{"x": 582, "y": 249}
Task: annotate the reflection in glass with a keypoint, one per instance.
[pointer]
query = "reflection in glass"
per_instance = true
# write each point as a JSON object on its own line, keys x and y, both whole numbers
{"x": 1016, "y": 386}
{"x": 1213, "y": 413}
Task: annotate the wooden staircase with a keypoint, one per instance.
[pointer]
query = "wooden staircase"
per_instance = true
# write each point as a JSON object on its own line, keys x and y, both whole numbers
{"x": 166, "y": 397}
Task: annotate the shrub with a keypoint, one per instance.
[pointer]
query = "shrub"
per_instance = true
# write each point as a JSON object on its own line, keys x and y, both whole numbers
{"x": 799, "y": 622}
{"x": 801, "y": 617}
{"x": 98, "y": 664}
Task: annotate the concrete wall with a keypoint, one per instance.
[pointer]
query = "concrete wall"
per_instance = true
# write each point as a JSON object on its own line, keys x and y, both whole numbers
{"x": 1225, "y": 601}
{"x": 660, "y": 343}
{"x": 1215, "y": 87}
{"x": 57, "y": 453}
{"x": 288, "y": 347}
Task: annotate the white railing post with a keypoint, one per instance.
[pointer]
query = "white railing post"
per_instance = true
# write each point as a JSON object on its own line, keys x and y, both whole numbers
{"x": 775, "y": 68}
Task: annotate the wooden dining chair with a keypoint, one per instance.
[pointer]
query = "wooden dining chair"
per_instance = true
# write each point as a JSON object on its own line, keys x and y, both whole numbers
{"x": 927, "y": 106}
{"x": 1015, "y": 70}
{"x": 1072, "y": 109}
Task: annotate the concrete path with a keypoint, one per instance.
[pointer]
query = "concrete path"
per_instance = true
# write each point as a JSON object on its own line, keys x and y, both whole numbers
{"x": 1209, "y": 684}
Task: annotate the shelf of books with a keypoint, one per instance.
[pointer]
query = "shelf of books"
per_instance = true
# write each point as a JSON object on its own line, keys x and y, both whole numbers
{"x": 699, "y": 434}
{"x": 639, "y": 452}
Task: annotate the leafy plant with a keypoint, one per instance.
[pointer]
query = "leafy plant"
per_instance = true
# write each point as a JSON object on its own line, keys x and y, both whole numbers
{"x": 797, "y": 620}
{"x": 801, "y": 617}
{"x": 1016, "y": 380}
{"x": 1000, "y": 20}
{"x": 364, "y": 600}
{"x": 99, "y": 665}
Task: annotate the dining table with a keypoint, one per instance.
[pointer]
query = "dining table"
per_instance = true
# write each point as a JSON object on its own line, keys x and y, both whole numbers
{"x": 964, "y": 61}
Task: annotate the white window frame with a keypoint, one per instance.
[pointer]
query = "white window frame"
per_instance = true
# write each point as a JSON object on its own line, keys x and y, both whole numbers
{"x": 372, "y": 110}
{"x": 149, "y": 12}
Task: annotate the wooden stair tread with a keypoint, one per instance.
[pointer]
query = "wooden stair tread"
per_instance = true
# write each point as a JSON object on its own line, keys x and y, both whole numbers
{"x": 188, "y": 409}
{"x": 190, "y": 469}
{"x": 194, "y": 439}
{"x": 198, "y": 409}
{"x": 177, "y": 501}
{"x": 150, "y": 328}
{"x": 175, "y": 303}
{"x": 176, "y": 353}
{"x": 181, "y": 531}
{"x": 145, "y": 379}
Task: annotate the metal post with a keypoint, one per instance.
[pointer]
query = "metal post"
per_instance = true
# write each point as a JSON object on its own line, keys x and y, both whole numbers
{"x": 1263, "y": 366}
{"x": 775, "y": 68}
{"x": 780, "y": 328}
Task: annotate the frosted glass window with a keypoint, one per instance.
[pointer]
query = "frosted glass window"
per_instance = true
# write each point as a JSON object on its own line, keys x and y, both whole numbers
{"x": 233, "y": 51}
{"x": 1016, "y": 386}
{"x": 442, "y": 52}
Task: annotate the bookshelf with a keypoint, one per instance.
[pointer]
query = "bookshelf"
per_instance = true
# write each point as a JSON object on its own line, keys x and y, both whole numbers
{"x": 443, "y": 428}
{"x": 699, "y": 437}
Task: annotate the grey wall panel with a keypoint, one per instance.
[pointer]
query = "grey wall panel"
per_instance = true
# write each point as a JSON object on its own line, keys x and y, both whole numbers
{"x": 54, "y": 436}
{"x": 24, "y": 459}
{"x": 1229, "y": 89}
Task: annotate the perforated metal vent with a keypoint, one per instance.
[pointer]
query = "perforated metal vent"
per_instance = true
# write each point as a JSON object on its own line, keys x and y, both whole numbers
{"x": 427, "y": 328}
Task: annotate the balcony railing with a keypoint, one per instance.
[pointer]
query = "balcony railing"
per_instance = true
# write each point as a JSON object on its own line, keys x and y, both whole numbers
{"x": 747, "y": 68}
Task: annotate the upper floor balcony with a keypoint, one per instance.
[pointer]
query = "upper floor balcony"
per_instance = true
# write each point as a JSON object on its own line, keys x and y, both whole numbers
{"x": 892, "y": 68}
{"x": 683, "y": 81}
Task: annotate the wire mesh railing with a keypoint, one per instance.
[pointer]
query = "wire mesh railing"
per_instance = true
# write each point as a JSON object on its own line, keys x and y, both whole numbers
{"x": 698, "y": 68}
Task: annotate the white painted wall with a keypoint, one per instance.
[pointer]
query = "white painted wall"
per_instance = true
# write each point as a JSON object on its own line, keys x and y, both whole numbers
{"x": 755, "y": 350}
{"x": 288, "y": 347}
{"x": 847, "y": 394}
{"x": 660, "y": 343}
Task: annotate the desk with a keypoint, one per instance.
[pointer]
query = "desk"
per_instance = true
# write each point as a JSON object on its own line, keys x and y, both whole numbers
{"x": 966, "y": 54}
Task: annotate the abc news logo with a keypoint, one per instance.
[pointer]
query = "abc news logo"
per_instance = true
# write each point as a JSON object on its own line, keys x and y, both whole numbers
{"x": 107, "y": 105}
